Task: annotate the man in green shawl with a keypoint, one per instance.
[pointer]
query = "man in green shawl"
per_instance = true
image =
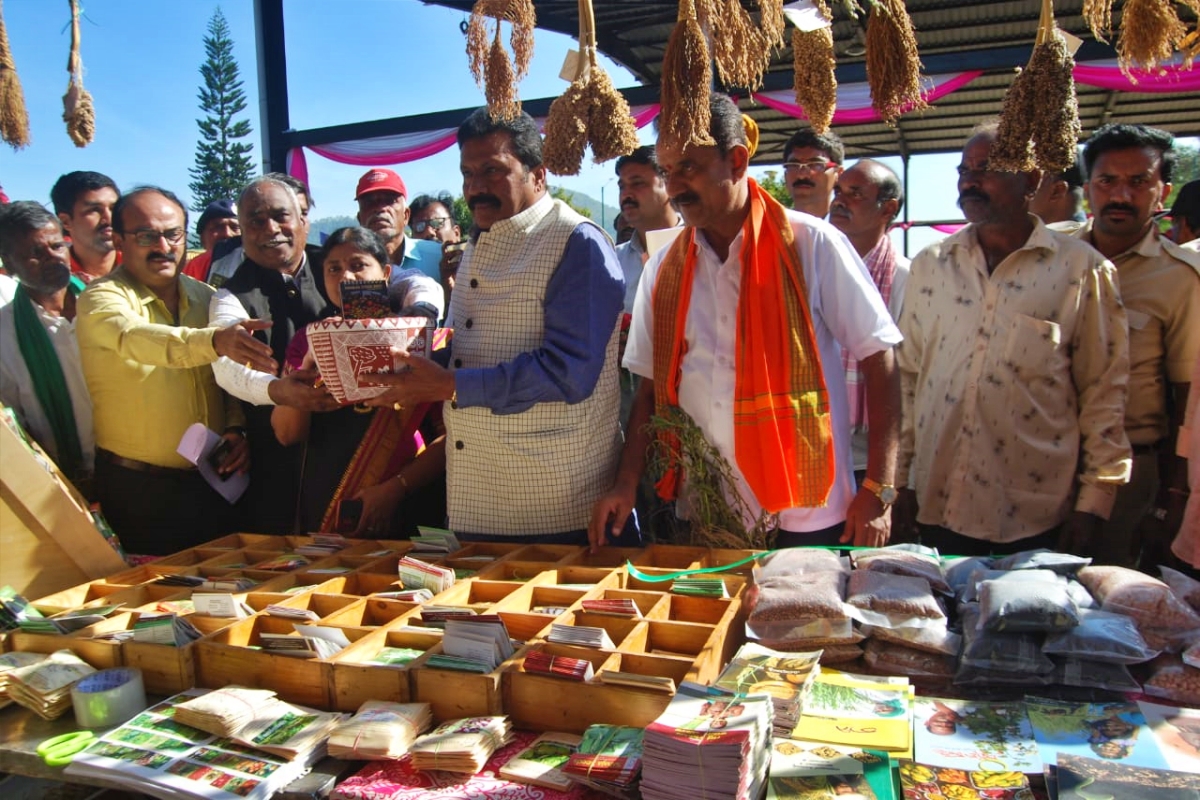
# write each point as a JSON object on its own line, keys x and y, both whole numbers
{"x": 40, "y": 374}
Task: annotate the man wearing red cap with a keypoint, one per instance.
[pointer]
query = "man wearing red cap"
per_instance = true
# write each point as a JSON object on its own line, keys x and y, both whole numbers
{"x": 383, "y": 207}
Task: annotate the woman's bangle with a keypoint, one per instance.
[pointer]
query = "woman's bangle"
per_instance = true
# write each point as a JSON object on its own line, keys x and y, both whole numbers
{"x": 403, "y": 481}
{"x": 238, "y": 429}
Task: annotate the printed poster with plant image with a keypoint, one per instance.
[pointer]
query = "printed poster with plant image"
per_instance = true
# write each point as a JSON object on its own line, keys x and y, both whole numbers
{"x": 974, "y": 735}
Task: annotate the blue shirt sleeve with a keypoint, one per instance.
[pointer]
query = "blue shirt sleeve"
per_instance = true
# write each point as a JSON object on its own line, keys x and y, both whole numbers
{"x": 584, "y": 298}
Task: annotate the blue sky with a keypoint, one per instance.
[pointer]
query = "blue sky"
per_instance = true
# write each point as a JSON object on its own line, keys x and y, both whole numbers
{"x": 348, "y": 61}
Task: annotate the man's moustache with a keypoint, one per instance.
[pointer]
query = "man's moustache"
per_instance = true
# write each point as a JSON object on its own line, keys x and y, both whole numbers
{"x": 803, "y": 182}
{"x": 483, "y": 199}
{"x": 972, "y": 195}
{"x": 1119, "y": 207}
{"x": 629, "y": 204}
{"x": 686, "y": 197}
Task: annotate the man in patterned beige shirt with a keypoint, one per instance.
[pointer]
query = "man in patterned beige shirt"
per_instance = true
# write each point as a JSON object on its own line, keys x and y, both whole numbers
{"x": 1013, "y": 367}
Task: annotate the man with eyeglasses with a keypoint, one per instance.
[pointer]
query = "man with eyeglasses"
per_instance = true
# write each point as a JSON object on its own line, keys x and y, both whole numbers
{"x": 1013, "y": 369}
{"x": 812, "y": 163}
{"x": 383, "y": 207}
{"x": 866, "y": 200}
{"x": 433, "y": 220}
{"x": 146, "y": 348}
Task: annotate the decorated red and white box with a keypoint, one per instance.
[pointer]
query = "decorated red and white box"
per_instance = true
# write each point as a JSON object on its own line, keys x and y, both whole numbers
{"x": 346, "y": 350}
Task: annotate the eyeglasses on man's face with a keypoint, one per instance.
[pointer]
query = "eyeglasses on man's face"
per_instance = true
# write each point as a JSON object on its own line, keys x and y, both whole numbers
{"x": 816, "y": 165}
{"x": 437, "y": 223}
{"x": 146, "y": 237}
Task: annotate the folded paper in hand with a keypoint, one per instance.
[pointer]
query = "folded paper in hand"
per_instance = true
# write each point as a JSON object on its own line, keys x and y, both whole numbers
{"x": 348, "y": 349}
{"x": 197, "y": 442}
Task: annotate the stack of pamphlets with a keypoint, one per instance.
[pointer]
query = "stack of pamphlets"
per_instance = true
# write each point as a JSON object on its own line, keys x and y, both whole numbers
{"x": 859, "y": 710}
{"x": 223, "y": 585}
{"x": 616, "y": 607}
{"x": 636, "y": 680}
{"x": 418, "y": 574}
{"x": 802, "y": 770}
{"x": 168, "y": 628}
{"x": 481, "y": 639}
{"x": 461, "y": 745}
{"x": 221, "y": 604}
{"x": 408, "y": 595}
{"x": 924, "y": 780}
{"x": 380, "y": 729}
{"x": 785, "y": 677}
{"x": 710, "y": 744}
{"x": 436, "y": 616}
{"x": 262, "y": 722}
{"x": 609, "y": 759}
{"x": 574, "y": 669}
{"x": 581, "y": 635}
{"x": 396, "y": 656}
{"x": 67, "y": 621}
{"x": 154, "y": 753}
{"x": 539, "y": 764}
{"x": 284, "y": 562}
{"x": 961, "y": 734}
{"x": 44, "y": 687}
{"x": 14, "y": 608}
{"x": 313, "y": 641}
{"x": 323, "y": 544}
{"x": 399, "y": 780}
{"x": 699, "y": 587}
{"x": 223, "y": 712}
{"x": 10, "y": 662}
{"x": 434, "y": 541}
{"x": 291, "y": 612}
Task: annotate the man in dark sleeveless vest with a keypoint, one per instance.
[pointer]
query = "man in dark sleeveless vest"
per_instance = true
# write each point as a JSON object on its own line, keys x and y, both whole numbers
{"x": 279, "y": 281}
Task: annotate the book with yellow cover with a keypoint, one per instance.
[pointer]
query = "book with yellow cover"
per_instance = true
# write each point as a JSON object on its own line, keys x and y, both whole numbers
{"x": 863, "y": 711}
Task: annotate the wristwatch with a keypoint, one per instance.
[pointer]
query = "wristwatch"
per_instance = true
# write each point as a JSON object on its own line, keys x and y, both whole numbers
{"x": 886, "y": 493}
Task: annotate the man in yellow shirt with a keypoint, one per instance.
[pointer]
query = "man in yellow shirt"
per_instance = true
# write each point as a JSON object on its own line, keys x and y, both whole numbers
{"x": 146, "y": 350}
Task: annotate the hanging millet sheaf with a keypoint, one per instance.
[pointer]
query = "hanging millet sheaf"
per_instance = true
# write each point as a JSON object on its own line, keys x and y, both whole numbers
{"x": 591, "y": 111}
{"x": 893, "y": 64}
{"x": 14, "y": 119}
{"x": 1039, "y": 122}
{"x": 78, "y": 111}
{"x": 491, "y": 66}
{"x": 814, "y": 76}
{"x": 686, "y": 83}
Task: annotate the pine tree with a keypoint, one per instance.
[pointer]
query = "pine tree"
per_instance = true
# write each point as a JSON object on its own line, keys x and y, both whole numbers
{"x": 223, "y": 164}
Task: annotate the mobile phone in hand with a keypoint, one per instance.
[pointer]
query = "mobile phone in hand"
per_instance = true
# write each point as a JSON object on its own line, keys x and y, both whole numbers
{"x": 349, "y": 513}
{"x": 217, "y": 456}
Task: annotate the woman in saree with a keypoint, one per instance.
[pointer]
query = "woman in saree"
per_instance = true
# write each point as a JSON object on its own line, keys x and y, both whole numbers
{"x": 390, "y": 461}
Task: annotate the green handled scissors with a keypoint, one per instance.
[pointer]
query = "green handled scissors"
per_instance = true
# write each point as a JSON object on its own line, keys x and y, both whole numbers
{"x": 59, "y": 750}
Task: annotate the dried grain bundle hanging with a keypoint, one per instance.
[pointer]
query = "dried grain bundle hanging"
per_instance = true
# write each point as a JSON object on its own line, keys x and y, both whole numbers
{"x": 772, "y": 22}
{"x": 1056, "y": 125}
{"x": 490, "y": 64}
{"x": 1150, "y": 32}
{"x": 686, "y": 80}
{"x": 78, "y": 112}
{"x": 1098, "y": 16}
{"x": 14, "y": 119}
{"x": 893, "y": 64}
{"x": 740, "y": 50}
{"x": 1013, "y": 149}
{"x": 815, "y": 79}
{"x": 611, "y": 131}
{"x": 591, "y": 111}
{"x": 566, "y": 130}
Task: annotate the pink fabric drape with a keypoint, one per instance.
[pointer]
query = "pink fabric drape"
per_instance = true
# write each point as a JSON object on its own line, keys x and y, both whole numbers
{"x": 382, "y": 151}
{"x": 854, "y": 100}
{"x": 1169, "y": 78}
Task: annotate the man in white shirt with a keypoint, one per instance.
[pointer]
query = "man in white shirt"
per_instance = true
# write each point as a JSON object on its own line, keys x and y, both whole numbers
{"x": 764, "y": 299}
{"x": 866, "y": 199}
{"x": 41, "y": 379}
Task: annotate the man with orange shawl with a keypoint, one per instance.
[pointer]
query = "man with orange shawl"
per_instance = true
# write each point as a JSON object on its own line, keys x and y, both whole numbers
{"x": 740, "y": 324}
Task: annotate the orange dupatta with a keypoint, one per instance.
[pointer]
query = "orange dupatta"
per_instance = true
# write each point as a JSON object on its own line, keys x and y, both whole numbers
{"x": 783, "y": 439}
